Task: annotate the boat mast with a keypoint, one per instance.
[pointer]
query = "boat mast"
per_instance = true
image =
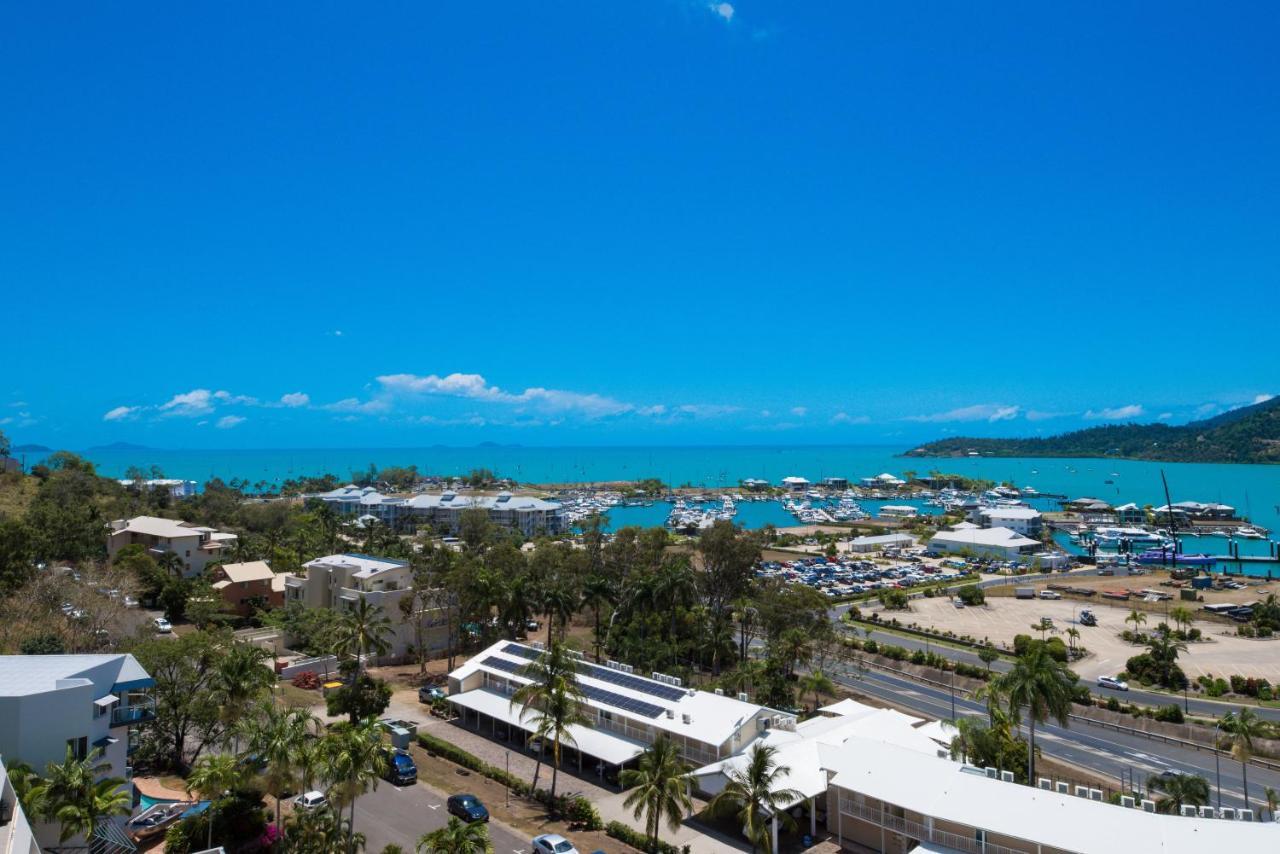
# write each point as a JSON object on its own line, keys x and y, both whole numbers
{"x": 1173, "y": 528}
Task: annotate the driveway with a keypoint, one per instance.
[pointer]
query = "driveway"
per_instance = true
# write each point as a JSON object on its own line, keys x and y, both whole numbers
{"x": 400, "y": 815}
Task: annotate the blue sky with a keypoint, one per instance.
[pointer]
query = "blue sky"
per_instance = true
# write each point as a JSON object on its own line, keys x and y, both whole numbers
{"x": 659, "y": 222}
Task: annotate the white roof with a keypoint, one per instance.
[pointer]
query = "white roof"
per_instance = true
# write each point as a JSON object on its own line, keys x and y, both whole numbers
{"x": 1011, "y": 512}
{"x": 610, "y": 747}
{"x": 713, "y": 718}
{"x": 1001, "y": 537}
{"x": 365, "y": 566}
{"x": 22, "y": 675}
{"x": 945, "y": 790}
{"x": 794, "y": 479}
{"x": 882, "y": 539}
{"x": 505, "y": 501}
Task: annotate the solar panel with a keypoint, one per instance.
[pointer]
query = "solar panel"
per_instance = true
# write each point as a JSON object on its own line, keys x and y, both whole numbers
{"x": 591, "y": 692}
{"x": 608, "y": 674}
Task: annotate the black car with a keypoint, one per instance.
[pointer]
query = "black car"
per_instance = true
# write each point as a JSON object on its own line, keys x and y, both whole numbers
{"x": 467, "y": 807}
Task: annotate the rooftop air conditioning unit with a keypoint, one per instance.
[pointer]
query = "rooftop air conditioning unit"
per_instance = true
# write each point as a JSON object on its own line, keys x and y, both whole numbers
{"x": 1063, "y": 788}
{"x": 743, "y": 697}
{"x": 1244, "y": 815}
{"x": 1206, "y": 812}
{"x": 1006, "y": 776}
{"x": 671, "y": 714}
{"x": 1082, "y": 791}
{"x": 1148, "y": 805}
{"x": 1095, "y": 794}
{"x": 1187, "y": 811}
{"x": 1045, "y": 783}
{"x": 692, "y": 692}
{"x": 1228, "y": 813}
{"x": 657, "y": 677}
{"x": 1127, "y": 801}
{"x": 686, "y": 718}
{"x": 762, "y": 722}
{"x": 993, "y": 773}
{"x": 719, "y": 692}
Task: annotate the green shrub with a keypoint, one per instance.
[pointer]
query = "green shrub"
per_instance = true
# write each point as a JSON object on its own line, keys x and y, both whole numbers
{"x": 1171, "y": 714}
{"x": 971, "y": 594}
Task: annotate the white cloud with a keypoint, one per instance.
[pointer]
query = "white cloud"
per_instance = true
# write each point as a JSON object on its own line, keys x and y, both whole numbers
{"x": 1042, "y": 415}
{"x": 799, "y": 411}
{"x": 991, "y": 412}
{"x": 195, "y": 402}
{"x": 226, "y": 422}
{"x": 120, "y": 413}
{"x": 295, "y": 399}
{"x": 724, "y": 10}
{"x": 475, "y": 387}
{"x": 651, "y": 411}
{"x": 1263, "y": 398}
{"x": 846, "y": 418}
{"x": 1116, "y": 413}
{"x": 353, "y": 404}
{"x": 234, "y": 399}
{"x": 1164, "y": 416}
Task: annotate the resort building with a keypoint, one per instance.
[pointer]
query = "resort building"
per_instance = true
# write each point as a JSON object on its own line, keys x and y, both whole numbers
{"x": 882, "y": 481}
{"x": 862, "y": 545}
{"x": 1089, "y": 507}
{"x": 175, "y": 488}
{"x": 797, "y": 485}
{"x": 898, "y": 511}
{"x": 49, "y": 703}
{"x": 1130, "y": 514}
{"x": 755, "y": 484}
{"x": 1024, "y": 520}
{"x": 196, "y": 546}
{"x": 531, "y": 516}
{"x": 998, "y": 543}
{"x": 338, "y": 582}
{"x": 1192, "y": 511}
{"x": 627, "y": 711}
{"x": 246, "y": 587}
{"x": 835, "y": 482}
{"x": 16, "y": 836}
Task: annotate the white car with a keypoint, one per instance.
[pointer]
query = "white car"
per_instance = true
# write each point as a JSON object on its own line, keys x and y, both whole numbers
{"x": 1050, "y": 594}
{"x": 1112, "y": 683}
{"x": 310, "y": 800}
{"x": 162, "y": 625}
{"x": 553, "y": 843}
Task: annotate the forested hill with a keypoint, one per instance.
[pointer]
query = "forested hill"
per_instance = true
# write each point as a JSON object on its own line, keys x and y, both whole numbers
{"x": 1250, "y": 434}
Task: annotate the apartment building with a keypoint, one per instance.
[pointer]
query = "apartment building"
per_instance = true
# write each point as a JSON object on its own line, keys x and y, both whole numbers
{"x": 195, "y": 545}
{"x": 531, "y": 516}
{"x": 245, "y": 587}
{"x": 1021, "y": 520}
{"x": 338, "y": 582}
{"x": 16, "y": 835}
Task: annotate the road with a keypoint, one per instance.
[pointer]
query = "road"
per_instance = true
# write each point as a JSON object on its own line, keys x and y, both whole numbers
{"x": 400, "y": 815}
{"x": 1110, "y": 754}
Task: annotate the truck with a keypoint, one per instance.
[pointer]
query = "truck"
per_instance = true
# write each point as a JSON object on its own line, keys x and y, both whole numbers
{"x": 1024, "y": 593}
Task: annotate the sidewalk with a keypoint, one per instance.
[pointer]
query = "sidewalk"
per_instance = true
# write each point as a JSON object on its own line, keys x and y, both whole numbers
{"x": 700, "y": 842}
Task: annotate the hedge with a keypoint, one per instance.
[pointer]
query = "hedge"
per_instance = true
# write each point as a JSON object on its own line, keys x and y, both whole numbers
{"x": 636, "y": 839}
{"x": 577, "y": 810}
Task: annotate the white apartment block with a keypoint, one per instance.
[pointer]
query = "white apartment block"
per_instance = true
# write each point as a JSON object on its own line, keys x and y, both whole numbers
{"x": 626, "y": 711}
{"x": 16, "y": 835}
{"x": 195, "y": 545}
{"x": 338, "y": 582}
{"x": 49, "y": 703}
{"x": 1022, "y": 520}
{"x": 531, "y": 516}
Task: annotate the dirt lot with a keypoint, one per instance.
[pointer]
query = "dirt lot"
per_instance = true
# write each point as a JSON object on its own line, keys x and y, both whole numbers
{"x": 1003, "y": 617}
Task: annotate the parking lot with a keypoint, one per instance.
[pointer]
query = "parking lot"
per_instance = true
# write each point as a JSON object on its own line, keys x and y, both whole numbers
{"x": 1003, "y": 617}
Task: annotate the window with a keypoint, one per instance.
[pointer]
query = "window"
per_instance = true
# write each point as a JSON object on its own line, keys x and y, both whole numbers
{"x": 79, "y": 746}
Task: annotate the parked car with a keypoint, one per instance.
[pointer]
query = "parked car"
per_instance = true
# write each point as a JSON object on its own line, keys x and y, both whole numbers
{"x": 429, "y": 694}
{"x": 1112, "y": 683}
{"x": 1050, "y": 594}
{"x": 400, "y": 768}
{"x": 310, "y": 800}
{"x": 467, "y": 807}
{"x": 162, "y": 625}
{"x": 553, "y": 843}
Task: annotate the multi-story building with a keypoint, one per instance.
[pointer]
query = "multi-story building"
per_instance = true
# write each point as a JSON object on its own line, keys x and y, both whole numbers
{"x": 626, "y": 712}
{"x": 16, "y": 836}
{"x": 175, "y": 488}
{"x": 1023, "y": 520}
{"x": 531, "y": 516}
{"x": 195, "y": 545}
{"x": 52, "y": 703}
{"x": 338, "y": 582}
{"x": 245, "y": 587}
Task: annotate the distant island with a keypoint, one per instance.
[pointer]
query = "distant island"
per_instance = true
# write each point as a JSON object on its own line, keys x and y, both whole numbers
{"x": 121, "y": 446}
{"x": 1250, "y": 434}
{"x": 30, "y": 449}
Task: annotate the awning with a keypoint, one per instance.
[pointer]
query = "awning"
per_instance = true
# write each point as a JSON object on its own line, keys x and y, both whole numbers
{"x": 104, "y": 702}
{"x": 606, "y": 746}
{"x": 106, "y": 742}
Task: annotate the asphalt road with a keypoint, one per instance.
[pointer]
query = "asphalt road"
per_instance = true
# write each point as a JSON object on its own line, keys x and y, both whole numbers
{"x": 400, "y": 815}
{"x": 1112, "y": 755}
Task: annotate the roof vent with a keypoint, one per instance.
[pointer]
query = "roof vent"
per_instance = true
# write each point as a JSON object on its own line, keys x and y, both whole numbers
{"x": 686, "y": 718}
{"x": 671, "y": 714}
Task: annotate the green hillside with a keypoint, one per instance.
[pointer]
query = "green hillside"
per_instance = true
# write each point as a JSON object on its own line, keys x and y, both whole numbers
{"x": 1250, "y": 434}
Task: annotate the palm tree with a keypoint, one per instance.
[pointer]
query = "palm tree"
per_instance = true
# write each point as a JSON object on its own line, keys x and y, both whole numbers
{"x": 1273, "y": 798}
{"x": 457, "y": 837}
{"x": 1164, "y": 648}
{"x": 752, "y": 795}
{"x": 598, "y": 593}
{"x": 1136, "y": 617}
{"x": 1180, "y": 790}
{"x": 355, "y": 761}
{"x": 27, "y": 787}
{"x": 659, "y": 788}
{"x": 1181, "y": 616}
{"x": 817, "y": 683}
{"x": 240, "y": 679}
{"x": 1073, "y": 635}
{"x": 214, "y": 776}
{"x": 363, "y": 630}
{"x": 1243, "y": 727}
{"x": 71, "y": 796}
{"x": 552, "y": 691}
{"x": 559, "y": 602}
{"x": 279, "y": 739}
{"x": 171, "y": 563}
{"x": 1042, "y": 685}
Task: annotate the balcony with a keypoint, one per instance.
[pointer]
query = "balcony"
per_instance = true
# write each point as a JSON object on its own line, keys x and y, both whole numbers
{"x": 139, "y": 711}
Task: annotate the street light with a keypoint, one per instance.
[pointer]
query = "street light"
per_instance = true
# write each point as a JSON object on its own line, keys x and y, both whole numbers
{"x": 508, "y": 780}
